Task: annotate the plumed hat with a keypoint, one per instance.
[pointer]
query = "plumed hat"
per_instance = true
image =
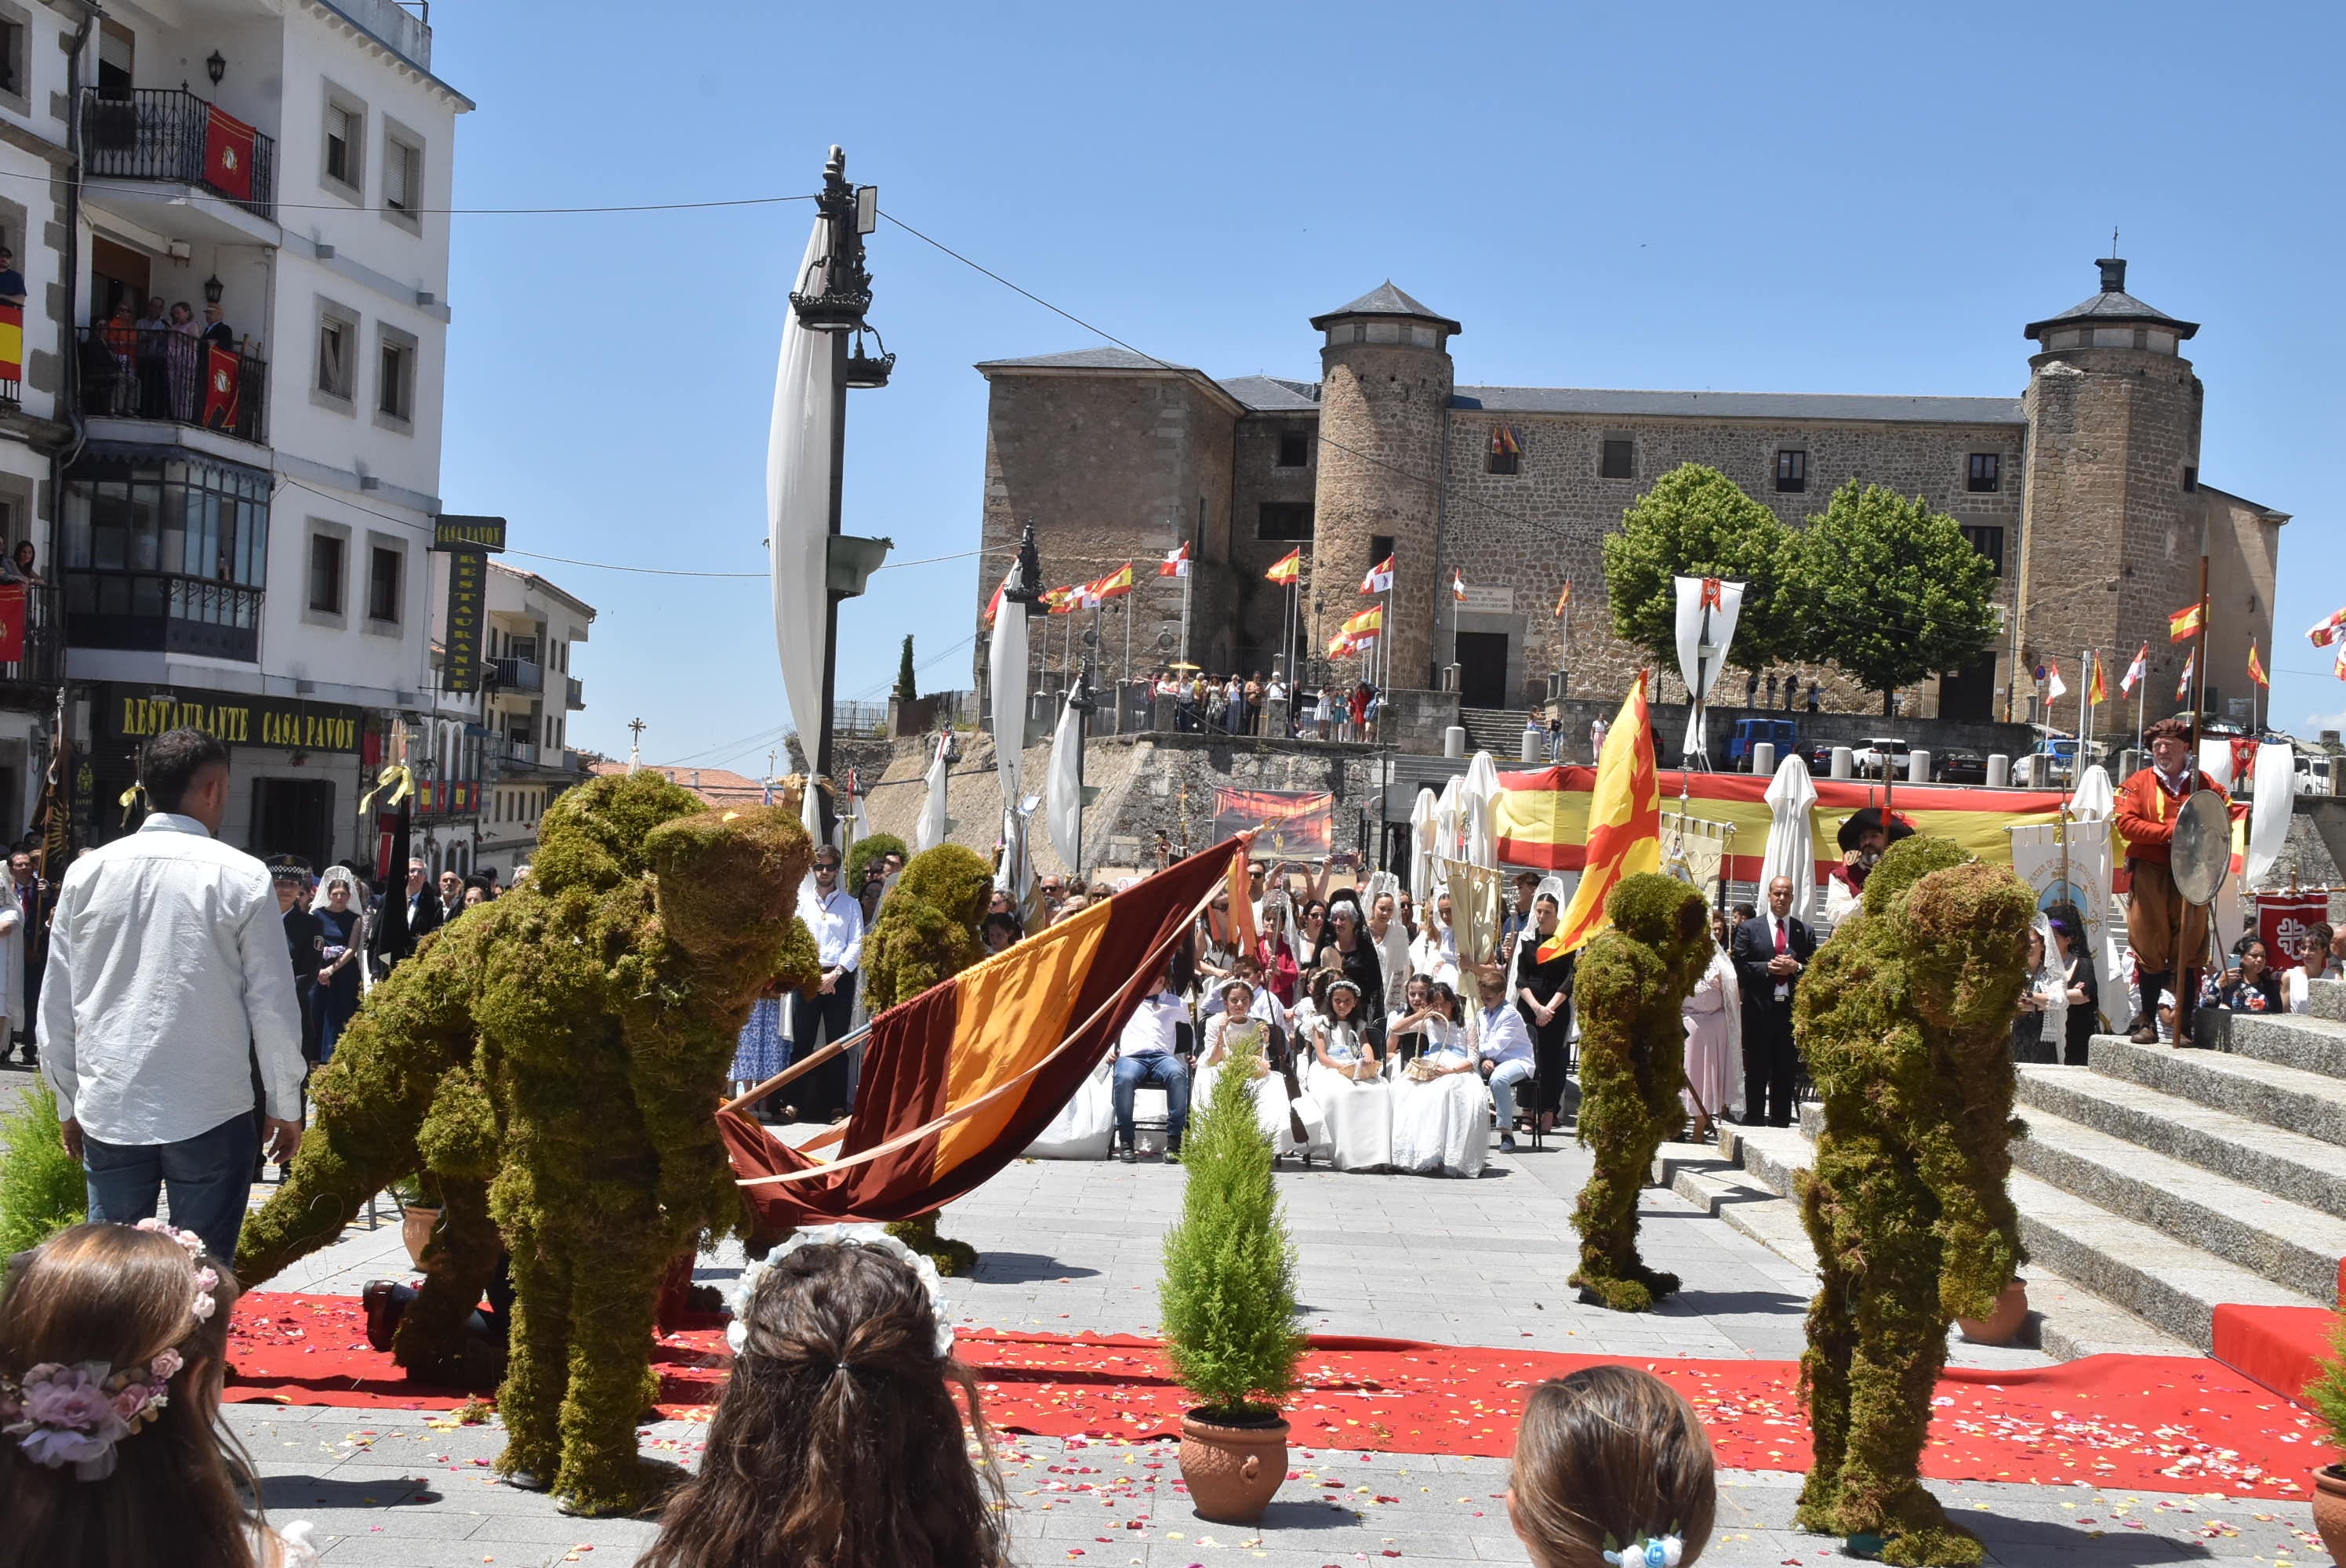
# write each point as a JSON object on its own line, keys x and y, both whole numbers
{"x": 1896, "y": 827}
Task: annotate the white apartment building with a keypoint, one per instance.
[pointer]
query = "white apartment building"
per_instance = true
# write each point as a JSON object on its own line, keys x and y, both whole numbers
{"x": 245, "y": 531}
{"x": 529, "y": 696}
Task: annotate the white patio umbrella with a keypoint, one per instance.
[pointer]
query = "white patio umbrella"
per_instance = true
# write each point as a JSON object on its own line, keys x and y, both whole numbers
{"x": 1007, "y": 668}
{"x": 1447, "y": 808}
{"x": 1478, "y": 812}
{"x": 1792, "y": 832}
{"x": 797, "y": 505}
{"x": 929, "y": 830}
{"x": 1422, "y": 846}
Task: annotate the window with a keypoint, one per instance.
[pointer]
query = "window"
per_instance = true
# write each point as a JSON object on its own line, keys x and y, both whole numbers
{"x": 1986, "y": 472}
{"x": 1791, "y": 470}
{"x": 383, "y": 573}
{"x": 1618, "y": 460}
{"x": 117, "y": 48}
{"x": 338, "y": 342}
{"x": 1988, "y": 540}
{"x": 1294, "y": 449}
{"x": 403, "y": 176}
{"x": 12, "y": 56}
{"x": 342, "y": 161}
{"x": 326, "y": 574}
{"x": 2191, "y": 478}
{"x": 394, "y": 391}
{"x": 1283, "y": 520}
{"x": 1506, "y": 452}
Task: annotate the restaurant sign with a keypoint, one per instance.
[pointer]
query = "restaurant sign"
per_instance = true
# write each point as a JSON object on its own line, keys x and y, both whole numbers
{"x": 139, "y": 713}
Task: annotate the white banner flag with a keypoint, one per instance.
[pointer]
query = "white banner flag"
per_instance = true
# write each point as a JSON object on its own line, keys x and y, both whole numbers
{"x": 1725, "y": 601}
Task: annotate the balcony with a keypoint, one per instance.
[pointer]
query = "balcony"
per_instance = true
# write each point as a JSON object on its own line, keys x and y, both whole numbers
{"x": 43, "y": 662}
{"x": 575, "y": 695}
{"x": 516, "y": 674}
{"x": 163, "y": 612}
{"x": 168, "y": 376}
{"x": 436, "y": 798}
{"x": 162, "y": 134}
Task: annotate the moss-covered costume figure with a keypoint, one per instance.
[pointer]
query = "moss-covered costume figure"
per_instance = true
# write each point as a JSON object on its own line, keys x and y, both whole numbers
{"x": 1633, "y": 978}
{"x": 928, "y": 931}
{"x": 553, "y": 1062}
{"x": 1906, "y": 1020}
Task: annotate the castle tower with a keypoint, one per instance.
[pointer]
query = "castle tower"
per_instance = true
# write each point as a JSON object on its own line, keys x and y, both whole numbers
{"x": 1384, "y": 398}
{"x": 2110, "y": 526}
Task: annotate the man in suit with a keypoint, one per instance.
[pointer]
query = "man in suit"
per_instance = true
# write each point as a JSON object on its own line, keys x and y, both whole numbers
{"x": 1771, "y": 950}
{"x": 32, "y": 898}
{"x": 423, "y": 910}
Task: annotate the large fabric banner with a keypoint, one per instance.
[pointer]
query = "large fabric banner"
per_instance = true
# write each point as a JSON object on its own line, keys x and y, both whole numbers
{"x": 2080, "y": 876}
{"x": 2281, "y": 920}
{"x": 1297, "y": 823}
{"x": 1544, "y": 815}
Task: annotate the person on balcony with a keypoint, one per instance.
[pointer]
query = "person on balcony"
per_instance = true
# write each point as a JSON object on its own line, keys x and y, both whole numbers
{"x": 185, "y": 358}
{"x": 216, "y": 331}
{"x": 12, "y": 282}
{"x": 154, "y": 358}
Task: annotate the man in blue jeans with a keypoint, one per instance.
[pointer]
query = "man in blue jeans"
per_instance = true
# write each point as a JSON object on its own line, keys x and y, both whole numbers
{"x": 167, "y": 988}
{"x": 1149, "y": 1052}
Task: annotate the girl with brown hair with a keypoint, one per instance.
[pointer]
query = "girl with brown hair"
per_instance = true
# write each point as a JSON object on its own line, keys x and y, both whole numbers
{"x": 838, "y": 1443}
{"x": 113, "y": 1342}
{"x": 1611, "y": 1470}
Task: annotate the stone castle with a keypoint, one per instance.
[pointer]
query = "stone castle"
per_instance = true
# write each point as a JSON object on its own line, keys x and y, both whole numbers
{"x": 2085, "y": 491}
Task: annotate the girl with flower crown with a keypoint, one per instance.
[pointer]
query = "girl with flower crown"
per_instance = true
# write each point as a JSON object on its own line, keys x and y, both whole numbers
{"x": 1347, "y": 1081}
{"x": 838, "y": 1443}
{"x": 113, "y": 1345}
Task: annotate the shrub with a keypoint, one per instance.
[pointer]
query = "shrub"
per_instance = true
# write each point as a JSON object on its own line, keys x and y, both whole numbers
{"x": 862, "y": 854}
{"x": 2327, "y": 1393}
{"x": 1227, "y": 1296}
{"x": 41, "y": 1188}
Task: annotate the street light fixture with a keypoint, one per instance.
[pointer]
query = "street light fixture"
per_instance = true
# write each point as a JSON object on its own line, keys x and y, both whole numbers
{"x": 867, "y": 369}
{"x": 217, "y": 66}
{"x": 213, "y": 288}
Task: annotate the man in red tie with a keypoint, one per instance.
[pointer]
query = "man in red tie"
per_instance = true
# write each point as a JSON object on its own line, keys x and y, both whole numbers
{"x": 1770, "y": 948}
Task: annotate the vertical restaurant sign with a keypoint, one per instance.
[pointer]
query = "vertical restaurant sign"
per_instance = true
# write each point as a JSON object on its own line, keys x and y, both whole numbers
{"x": 467, "y": 541}
{"x": 468, "y": 591}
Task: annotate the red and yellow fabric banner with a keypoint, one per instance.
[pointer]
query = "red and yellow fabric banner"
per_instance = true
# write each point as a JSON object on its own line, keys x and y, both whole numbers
{"x": 959, "y": 1080}
{"x": 1116, "y": 585}
{"x": 227, "y": 153}
{"x": 1286, "y": 568}
{"x": 1564, "y": 596}
{"x": 2256, "y": 666}
{"x": 12, "y": 342}
{"x": 2097, "y": 689}
{"x": 2186, "y": 621}
{"x": 223, "y": 379}
{"x": 1369, "y": 620}
{"x": 1544, "y": 815}
{"x": 1623, "y": 823}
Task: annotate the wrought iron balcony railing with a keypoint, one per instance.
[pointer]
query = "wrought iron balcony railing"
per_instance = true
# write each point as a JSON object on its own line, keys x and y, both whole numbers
{"x": 163, "y": 374}
{"x": 168, "y": 134}
{"x": 162, "y": 612}
{"x": 516, "y": 674}
{"x": 42, "y": 662}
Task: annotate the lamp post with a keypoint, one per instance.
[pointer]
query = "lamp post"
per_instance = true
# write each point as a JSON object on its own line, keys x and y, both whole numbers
{"x": 837, "y": 308}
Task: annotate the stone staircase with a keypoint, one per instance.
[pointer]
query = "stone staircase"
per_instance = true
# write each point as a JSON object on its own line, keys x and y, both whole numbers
{"x": 2169, "y": 1184}
{"x": 1497, "y": 730}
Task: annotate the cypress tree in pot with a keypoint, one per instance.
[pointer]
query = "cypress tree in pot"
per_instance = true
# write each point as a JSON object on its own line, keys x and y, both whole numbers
{"x": 2327, "y": 1394}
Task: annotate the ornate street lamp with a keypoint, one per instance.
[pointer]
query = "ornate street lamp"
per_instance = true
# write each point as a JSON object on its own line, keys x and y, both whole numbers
{"x": 867, "y": 369}
{"x": 217, "y": 66}
{"x": 846, "y": 288}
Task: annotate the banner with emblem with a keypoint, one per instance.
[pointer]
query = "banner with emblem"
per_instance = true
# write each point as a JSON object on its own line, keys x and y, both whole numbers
{"x": 2078, "y": 875}
{"x": 11, "y": 622}
{"x": 227, "y": 154}
{"x": 222, "y": 378}
{"x": 12, "y": 342}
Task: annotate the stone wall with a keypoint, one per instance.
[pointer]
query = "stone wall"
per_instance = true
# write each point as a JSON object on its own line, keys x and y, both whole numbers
{"x": 1384, "y": 406}
{"x": 1259, "y": 606}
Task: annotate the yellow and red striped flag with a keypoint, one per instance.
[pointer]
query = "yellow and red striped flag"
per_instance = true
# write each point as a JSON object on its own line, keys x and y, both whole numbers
{"x": 1625, "y": 823}
{"x": 1286, "y": 568}
{"x": 1116, "y": 585}
{"x": 1564, "y": 597}
{"x": 2097, "y": 690}
{"x": 2186, "y": 621}
{"x": 2256, "y": 666}
{"x": 1369, "y": 620}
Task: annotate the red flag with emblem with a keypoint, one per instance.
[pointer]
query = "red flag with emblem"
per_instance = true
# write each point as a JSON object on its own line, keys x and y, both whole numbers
{"x": 223, "y": 372}
{"x": 11, "y": 622}
{"x": 227, "y": 154}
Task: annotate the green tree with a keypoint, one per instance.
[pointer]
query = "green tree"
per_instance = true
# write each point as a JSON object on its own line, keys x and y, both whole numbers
{"x": 1698, "y": 523}
{"x": 41, "y": 1189}
{"x": 907, "y": 689}
{"x": 1889, "y": 590}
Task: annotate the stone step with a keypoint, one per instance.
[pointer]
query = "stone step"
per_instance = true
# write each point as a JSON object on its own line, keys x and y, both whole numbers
{"x": 2327, "y": 999}
{"x": 2071, "y": 1321}
{"x": 2170, "y": 1283}
{"x": 2266, "y": 1092}
{"x": 2274, "y": 1160}
{"x": 2296, "y": 1040}
{"x": 2280, "y": 1241}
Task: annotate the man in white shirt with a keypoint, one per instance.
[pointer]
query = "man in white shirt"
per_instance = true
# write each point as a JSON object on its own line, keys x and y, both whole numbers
{"x": 1504, "y": 1048}
{"x": 166, "y": 983}
{"x": 835, "y": 918}
{"x": 1149, "y": 1052}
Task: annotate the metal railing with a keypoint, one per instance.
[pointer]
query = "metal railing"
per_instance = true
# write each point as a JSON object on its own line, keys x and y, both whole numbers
{"x": 516, "y": 674}
{"x": 859, "y": 719}
{"x": 573, "y": 694}
{"x": 167, "y": 612}
{"x": 44, "y": 660}
{"x": 159, "y": 133}
{"x": 163, "y": 374}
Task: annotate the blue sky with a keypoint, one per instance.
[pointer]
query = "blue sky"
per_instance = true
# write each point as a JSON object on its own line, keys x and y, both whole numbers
{"x": 1783, "y": 198}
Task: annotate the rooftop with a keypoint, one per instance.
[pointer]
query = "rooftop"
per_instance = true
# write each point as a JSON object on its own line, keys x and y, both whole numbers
{"x": 2114, "y": 305}
{"x": 715, "y": 786}
{"x": 1385, "y": 299}
{"x": 1100, "y": 359}
{"x": 1779, "y": 406}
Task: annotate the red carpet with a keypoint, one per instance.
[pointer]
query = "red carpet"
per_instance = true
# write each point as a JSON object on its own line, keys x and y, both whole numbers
{"x": 2152, "y": 1423}
{"x": 2279, "y": 1347}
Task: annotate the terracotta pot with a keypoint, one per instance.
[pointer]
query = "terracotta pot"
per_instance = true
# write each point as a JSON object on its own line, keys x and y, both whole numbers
{"x": 2002, "y": 1326}
{"x": 1232, "y": 1472}
{"x": 416, "y": 1229}
{"x": 2329, "y": 1509}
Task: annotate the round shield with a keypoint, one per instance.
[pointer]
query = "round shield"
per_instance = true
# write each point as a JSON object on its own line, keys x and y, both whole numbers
{"x": 2202, "y": 850}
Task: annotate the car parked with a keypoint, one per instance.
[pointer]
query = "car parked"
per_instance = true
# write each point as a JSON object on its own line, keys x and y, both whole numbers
{"x": 1781, "y": 733}
{"x": 1960, "y": 767}
{"x": 1880, "y": 754}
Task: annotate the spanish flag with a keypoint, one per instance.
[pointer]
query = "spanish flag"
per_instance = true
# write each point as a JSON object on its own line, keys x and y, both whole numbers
{"x": 2256, "y": 666}
{"x": 959, "y": 1080}
{"x": 1369, "y": 620}
{"x": 1286, "y": 568}
{"x": 12, "y": 342}
{"x": 1061, "y": 601}
{"x": 2097, "y": 690}
{"x": 1564, "y": 597}
{"x": 1117, "y": 584}
{"x": 2186, "y": 621}
{"x": 1625, "y": 823}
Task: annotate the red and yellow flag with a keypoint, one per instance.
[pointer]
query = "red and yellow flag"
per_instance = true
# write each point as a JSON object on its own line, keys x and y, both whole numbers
{"x": 2256, "y": 666}
{"x": 1116, "y": 585}
{"x": 1061, "y": 601}
{"x": 2186, "y": 621}
{"x": 1625, "y": 823}
{"x": 959, "y": 1080}
{"x": 1369, "y": 620}
{"x": 1564, "y": 597}
{"x": 1286, "y": 568}
{"x": 2097, "y": 690}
